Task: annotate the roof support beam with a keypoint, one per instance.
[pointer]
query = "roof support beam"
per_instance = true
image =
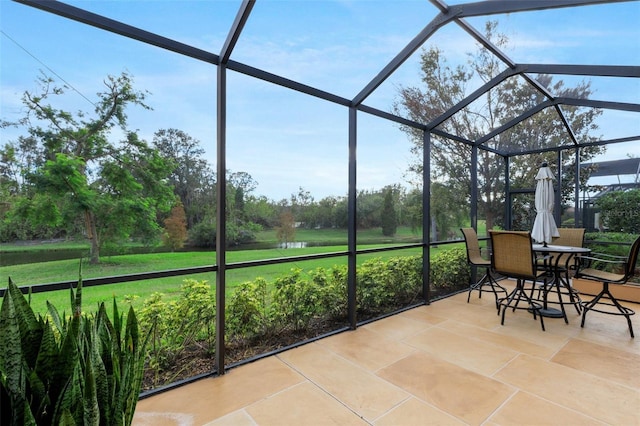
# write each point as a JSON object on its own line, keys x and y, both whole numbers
{"x": 236, "y": 29}
{"x": 285, "y": 82}
{"x": 620, "y": 106}
{"x": 589, "y": 70}
{"x": 401, "y": 57}
{"x": 495, "y": 7}
{"x": 513, "y": 122}
{"x": 117, "y": 27}
{"x": 472, "y": 97}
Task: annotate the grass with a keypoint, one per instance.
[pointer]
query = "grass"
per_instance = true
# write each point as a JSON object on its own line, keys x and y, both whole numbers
{"x": 139, "y": 291}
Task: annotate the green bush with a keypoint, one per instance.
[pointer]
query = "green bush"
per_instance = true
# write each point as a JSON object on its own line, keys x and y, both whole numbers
{"x": 247, "y": 313}
{"x": 449, "y": 272}
{"x": 179, "y": 324}
{"x": 332, "y": 285}
{"x": 621, "y": 211}
{"x": 608, "y": 243}
{"x": 204, "y": 234}
{"x": 294, "y": 302}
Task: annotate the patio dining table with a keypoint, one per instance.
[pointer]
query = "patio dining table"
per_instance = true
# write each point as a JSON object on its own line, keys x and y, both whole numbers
{"x": 556, "y": 268}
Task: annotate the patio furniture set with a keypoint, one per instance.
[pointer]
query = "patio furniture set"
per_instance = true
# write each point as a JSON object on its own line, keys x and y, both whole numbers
{"x": 548, "y": 269}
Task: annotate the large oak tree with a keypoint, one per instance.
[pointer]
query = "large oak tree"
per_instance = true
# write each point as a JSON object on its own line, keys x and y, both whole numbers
{"x": 445, "y": 85}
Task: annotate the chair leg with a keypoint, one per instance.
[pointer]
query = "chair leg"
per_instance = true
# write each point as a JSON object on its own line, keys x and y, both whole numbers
{"x": 605, "y": 293}
{"x": 487, "y": 280}
{"x": 517, "y": 295}
{"x": 574, "y": 298}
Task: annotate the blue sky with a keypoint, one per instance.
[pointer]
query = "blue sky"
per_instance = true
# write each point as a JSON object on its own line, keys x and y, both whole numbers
{"x": 284, "y": 139}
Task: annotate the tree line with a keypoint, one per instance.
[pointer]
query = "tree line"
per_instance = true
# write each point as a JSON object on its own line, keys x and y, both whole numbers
{"x": 68, "y": 178}
{"x": 89, "y": 175}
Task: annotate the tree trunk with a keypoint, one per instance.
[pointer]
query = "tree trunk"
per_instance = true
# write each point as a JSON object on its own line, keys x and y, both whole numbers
{"x": 92, "y": 235}
{"x": 489, "y": 221}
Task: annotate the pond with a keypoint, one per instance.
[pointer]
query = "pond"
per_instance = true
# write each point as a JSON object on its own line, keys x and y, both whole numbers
{"x": 23, "y": 257}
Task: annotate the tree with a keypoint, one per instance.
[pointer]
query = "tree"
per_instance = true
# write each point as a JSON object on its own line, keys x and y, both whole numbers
{"x": 192, "y": 177}
{"x": 621, "y": 211}
{"x": 445, "y": 87}
{"x": 175, "y": 228}
{"x": 74, "y": 173}
{"x": 286, "y": 232}
{"x": 448, "y": 210}
{"x": 389, "y": 217}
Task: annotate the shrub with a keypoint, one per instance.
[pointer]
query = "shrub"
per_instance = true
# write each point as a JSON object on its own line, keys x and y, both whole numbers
{"x": 621, "y": 211}
{"x": 294, "y": 303}
{"x": 247, "y": 313}
{"x": 332, "y": 291}
{"x": 295, "y": 300}
{"x": 449, "y": 272}
{"x": 203, "y": 234}
{"x": 179, "y": 324}
{"x": 387, "y": 285}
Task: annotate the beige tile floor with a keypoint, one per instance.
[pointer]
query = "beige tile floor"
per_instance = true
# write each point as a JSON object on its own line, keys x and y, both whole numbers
{"x": 449, "y": 363}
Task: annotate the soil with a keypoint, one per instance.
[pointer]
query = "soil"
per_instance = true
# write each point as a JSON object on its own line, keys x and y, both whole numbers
{"x": 197, "y": 360}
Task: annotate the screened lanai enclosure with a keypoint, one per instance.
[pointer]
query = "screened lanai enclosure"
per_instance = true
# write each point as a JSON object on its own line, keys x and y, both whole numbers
{"x": 333, "y": 117}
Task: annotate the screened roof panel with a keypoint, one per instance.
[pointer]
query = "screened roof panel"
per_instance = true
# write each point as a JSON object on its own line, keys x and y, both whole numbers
{"x": 614, "y": 124}
{"x": 202, "y": 24}
{"x": 451, "y": 40}
{"x": 589, "y": 35}
{"x": 335, "y": 46}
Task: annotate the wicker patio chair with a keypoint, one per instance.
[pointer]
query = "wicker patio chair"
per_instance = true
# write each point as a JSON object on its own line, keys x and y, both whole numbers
{"x": 513, "y": 256}
{"x": 593, "y": 268}
{"x": 474, "y": 258}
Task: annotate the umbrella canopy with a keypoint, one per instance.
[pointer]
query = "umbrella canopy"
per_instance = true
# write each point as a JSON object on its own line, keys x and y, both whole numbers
{"x": 544, "y": 227}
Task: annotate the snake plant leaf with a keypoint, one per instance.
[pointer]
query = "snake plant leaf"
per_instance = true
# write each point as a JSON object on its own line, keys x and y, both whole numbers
{"x": 117, "y": 322}
{"x": 55, "y": 316}
{"x": 66, "y": 419}
{"x": 135, "y": 363}
{"x": 69, "y": 402}
{"x": 21, "y": 414}
{"x": 42, "y": 381}
{"x": 97, "y": 352}
{"x": 90, "y": 408}
{"x": 47, "y": 360}
{"x": 10, "y": 343}
{"x": 30, "y": 329}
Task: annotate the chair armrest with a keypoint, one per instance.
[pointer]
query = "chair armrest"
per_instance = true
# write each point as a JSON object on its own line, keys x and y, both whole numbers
{"x": 593, "y": 262}
{"x": 604, "y": 256}
{"x": 622, "y": 260}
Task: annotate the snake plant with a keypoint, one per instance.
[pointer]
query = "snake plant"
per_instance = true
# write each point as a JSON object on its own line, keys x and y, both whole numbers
{"x": 75, "y": 370}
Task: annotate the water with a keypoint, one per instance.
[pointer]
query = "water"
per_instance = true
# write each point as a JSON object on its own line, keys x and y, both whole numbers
{"x": 19, "y": 258}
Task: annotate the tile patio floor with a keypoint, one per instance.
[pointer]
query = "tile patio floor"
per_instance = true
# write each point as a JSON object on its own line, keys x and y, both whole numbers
{"x": 450, "y": 363}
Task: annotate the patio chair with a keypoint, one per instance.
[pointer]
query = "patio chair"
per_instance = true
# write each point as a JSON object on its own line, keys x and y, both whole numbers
{"x": 474, "y": 258}
{"x": 573, "y": 237}
{"x": 513, "y": 256}
{"x": 565, "y": 264}
{"x": 595, "y": 267}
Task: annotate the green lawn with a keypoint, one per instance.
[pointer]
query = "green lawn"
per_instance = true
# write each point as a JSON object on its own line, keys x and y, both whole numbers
{"x": 67, "y": 270}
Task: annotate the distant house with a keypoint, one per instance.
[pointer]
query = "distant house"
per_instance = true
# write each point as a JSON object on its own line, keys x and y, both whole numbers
{"x": 626, "y": 167}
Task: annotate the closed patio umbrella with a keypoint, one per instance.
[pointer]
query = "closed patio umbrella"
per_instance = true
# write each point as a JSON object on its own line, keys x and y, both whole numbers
{"x": 544, "y": 227}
